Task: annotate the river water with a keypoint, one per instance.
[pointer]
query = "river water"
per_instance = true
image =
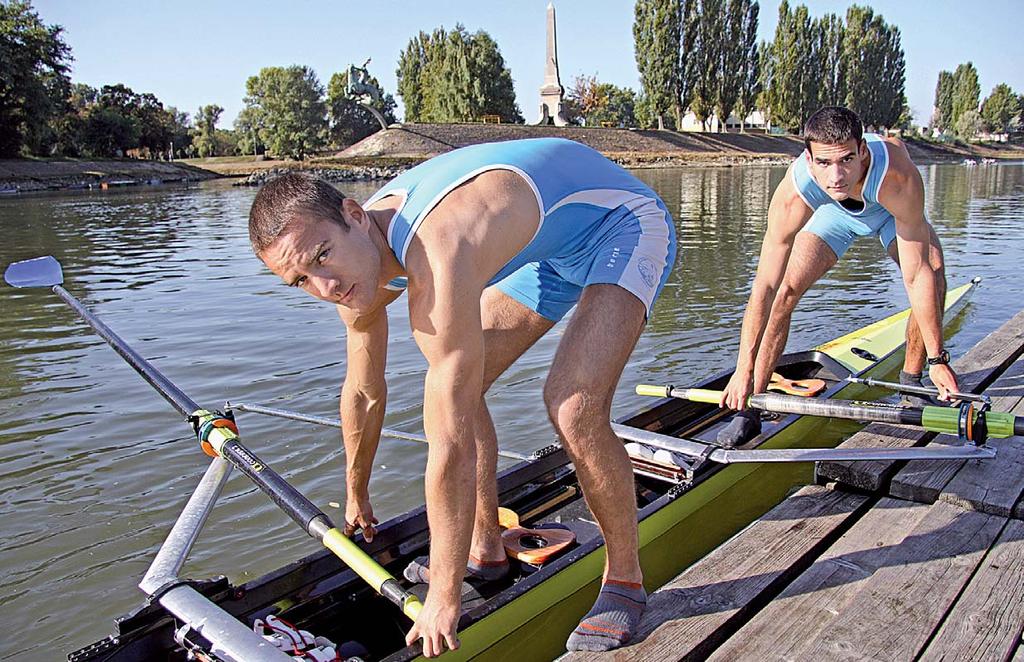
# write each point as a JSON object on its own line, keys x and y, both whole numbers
{"x": 94, "y": 466}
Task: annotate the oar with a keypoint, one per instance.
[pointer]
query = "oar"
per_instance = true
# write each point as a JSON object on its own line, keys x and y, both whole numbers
{"x": 336, "y": 423}
{"x": 219, "y": 437}
{"x": 918, "y": 390}
{"x": 968, "y": 421}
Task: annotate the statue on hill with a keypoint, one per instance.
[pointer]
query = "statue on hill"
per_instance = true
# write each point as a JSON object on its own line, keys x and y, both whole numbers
{"x": 362, "y": 85}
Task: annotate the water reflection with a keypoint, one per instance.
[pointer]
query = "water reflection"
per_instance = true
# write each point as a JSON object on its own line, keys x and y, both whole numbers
{"x": 94, "y": 467}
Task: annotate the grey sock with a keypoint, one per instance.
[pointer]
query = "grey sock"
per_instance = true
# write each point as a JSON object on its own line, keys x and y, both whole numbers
{"x": 612, "y": 620}
{"x": 743, "y": 427}
{"x": 418, "y": 572}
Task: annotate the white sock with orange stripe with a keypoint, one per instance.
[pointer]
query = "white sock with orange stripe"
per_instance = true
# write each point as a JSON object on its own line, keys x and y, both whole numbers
{"x": 612, "y": 620}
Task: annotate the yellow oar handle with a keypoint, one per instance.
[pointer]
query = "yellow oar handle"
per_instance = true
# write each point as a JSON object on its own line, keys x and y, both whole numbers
{"x": 693, "y": 394}
{"x": 371, "y": 571}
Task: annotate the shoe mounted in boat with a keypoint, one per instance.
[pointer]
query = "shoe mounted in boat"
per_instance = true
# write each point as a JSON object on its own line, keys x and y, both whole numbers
{"x": 743, "y": 427}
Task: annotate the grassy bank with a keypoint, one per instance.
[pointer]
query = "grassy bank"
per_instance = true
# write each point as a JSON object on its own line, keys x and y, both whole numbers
{"x": 30, "y": 175}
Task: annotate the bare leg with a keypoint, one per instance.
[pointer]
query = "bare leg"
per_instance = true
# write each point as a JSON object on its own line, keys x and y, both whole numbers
{"x": 914, "y": 361}
{"x": 510, "y": 328}
{"x": 578, "y": 395}
{"x": 810, "y": 259}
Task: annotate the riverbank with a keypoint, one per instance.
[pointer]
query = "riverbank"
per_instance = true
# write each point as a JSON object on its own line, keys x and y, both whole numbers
{"x": 387, "y": 153}
{"x": 404, "y": 145}
{"x": 33, "y": 175}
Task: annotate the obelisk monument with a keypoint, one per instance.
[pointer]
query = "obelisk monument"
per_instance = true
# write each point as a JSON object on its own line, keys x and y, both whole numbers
{"x": 551, "y": 109}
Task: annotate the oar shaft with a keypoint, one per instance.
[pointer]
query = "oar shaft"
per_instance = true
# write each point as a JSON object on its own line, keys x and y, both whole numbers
{"x": 313, "y": 520}
{"x": 916, "y": 390}
{"x": 174, "y": 395}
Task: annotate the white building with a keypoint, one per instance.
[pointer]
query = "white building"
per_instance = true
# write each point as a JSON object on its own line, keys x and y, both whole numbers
{"x": 755, "y": 121}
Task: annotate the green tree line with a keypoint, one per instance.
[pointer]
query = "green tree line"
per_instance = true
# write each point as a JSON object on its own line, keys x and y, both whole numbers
{"x": 703, "y": 55}
{"x": 42, "y": 112}
{"x": 957, "y": 110}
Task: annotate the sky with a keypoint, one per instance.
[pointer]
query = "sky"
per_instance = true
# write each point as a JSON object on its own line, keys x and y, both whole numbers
{"x": 191, "y": 53}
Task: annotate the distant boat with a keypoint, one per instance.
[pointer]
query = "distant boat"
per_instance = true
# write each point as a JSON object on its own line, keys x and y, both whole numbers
{"x": 988, "y": 161}
{"x": 969, "y": 163}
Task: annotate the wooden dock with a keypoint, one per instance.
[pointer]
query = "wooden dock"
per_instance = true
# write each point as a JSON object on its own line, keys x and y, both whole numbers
{"x": 879, "y": 561}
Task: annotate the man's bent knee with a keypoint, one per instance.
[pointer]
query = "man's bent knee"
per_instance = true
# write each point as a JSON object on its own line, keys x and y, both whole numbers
{"x": 787, "y": 299}
{"x": 575, "y": 412}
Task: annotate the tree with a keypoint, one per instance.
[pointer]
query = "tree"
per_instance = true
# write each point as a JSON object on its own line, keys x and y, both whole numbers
{"x": 734, "y": 51}
{"x": 180, "y": 129}
{"x": 108, "y": 132}
{"x": 34, "y": 84}
{"x": 830, "y": 34}
{"x": 593, "y": 103}
{"x": 750, "y": 67}
{"x": 706, "y": 59}
{"x": 688, "y": 30}
{"x": 227, "y": 142}
{"x": 247, "y": 128}
{"x": 204, "y": 136}
{"x": 875, "y": 68}
{"x": 410, "y": 66}
{"x": 288, "y": 107}
{"x": 455, "y": 77}
{"x": 788, "y": 88}
{"x": 619, "y": 108}
{"x": 646, "y": 117}
{"x": 942, "y": 118}
{"x": 1001, "y": 110}
{"x": 966, "y": 93}
{"x": 350, "y": 122}
{"x": 656, "y": 38}
{"x": 156, "y": 125}
{"x": 968, "y": 125}
{"x": 583, "y": 99}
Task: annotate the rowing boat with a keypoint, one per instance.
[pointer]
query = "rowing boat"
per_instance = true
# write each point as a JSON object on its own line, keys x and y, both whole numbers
{"x": 682, "y": 515}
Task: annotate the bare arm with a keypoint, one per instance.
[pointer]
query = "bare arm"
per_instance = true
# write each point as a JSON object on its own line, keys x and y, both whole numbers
{"x": 902, "y": 193}
{"x": 787, "y": 213}
{"x": 363, "y": 400}
{"x": 445, "y": 317}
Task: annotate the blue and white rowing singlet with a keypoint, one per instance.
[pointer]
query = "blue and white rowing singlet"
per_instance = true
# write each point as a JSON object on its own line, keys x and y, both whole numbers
{"x": 834, "y": 223}
{"x": 598, "y": 223}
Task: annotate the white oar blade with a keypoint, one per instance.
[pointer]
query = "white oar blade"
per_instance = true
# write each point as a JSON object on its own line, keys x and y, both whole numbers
{"x": 37, "y": 272}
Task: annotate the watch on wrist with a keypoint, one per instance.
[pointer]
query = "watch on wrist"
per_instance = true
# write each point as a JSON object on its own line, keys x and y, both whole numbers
{"x": 941, "y": 359}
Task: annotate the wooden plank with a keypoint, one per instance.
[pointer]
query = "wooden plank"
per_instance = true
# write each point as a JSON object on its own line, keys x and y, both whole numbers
{"x": 689, "y": 616}
{"x": 985, "y": 623}
{"x": 994, "y": 486}
{"x": 925, "y": 481}
{"x": 895, "y": 613}
{"x": 869, "y": 475}
{"x": 806, "y": 606}
{"x": 976, "y": 369}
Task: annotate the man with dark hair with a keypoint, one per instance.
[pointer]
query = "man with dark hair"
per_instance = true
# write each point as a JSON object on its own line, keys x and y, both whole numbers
{"x": 845, "y": 185}
{"x": 495, "y": 244}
